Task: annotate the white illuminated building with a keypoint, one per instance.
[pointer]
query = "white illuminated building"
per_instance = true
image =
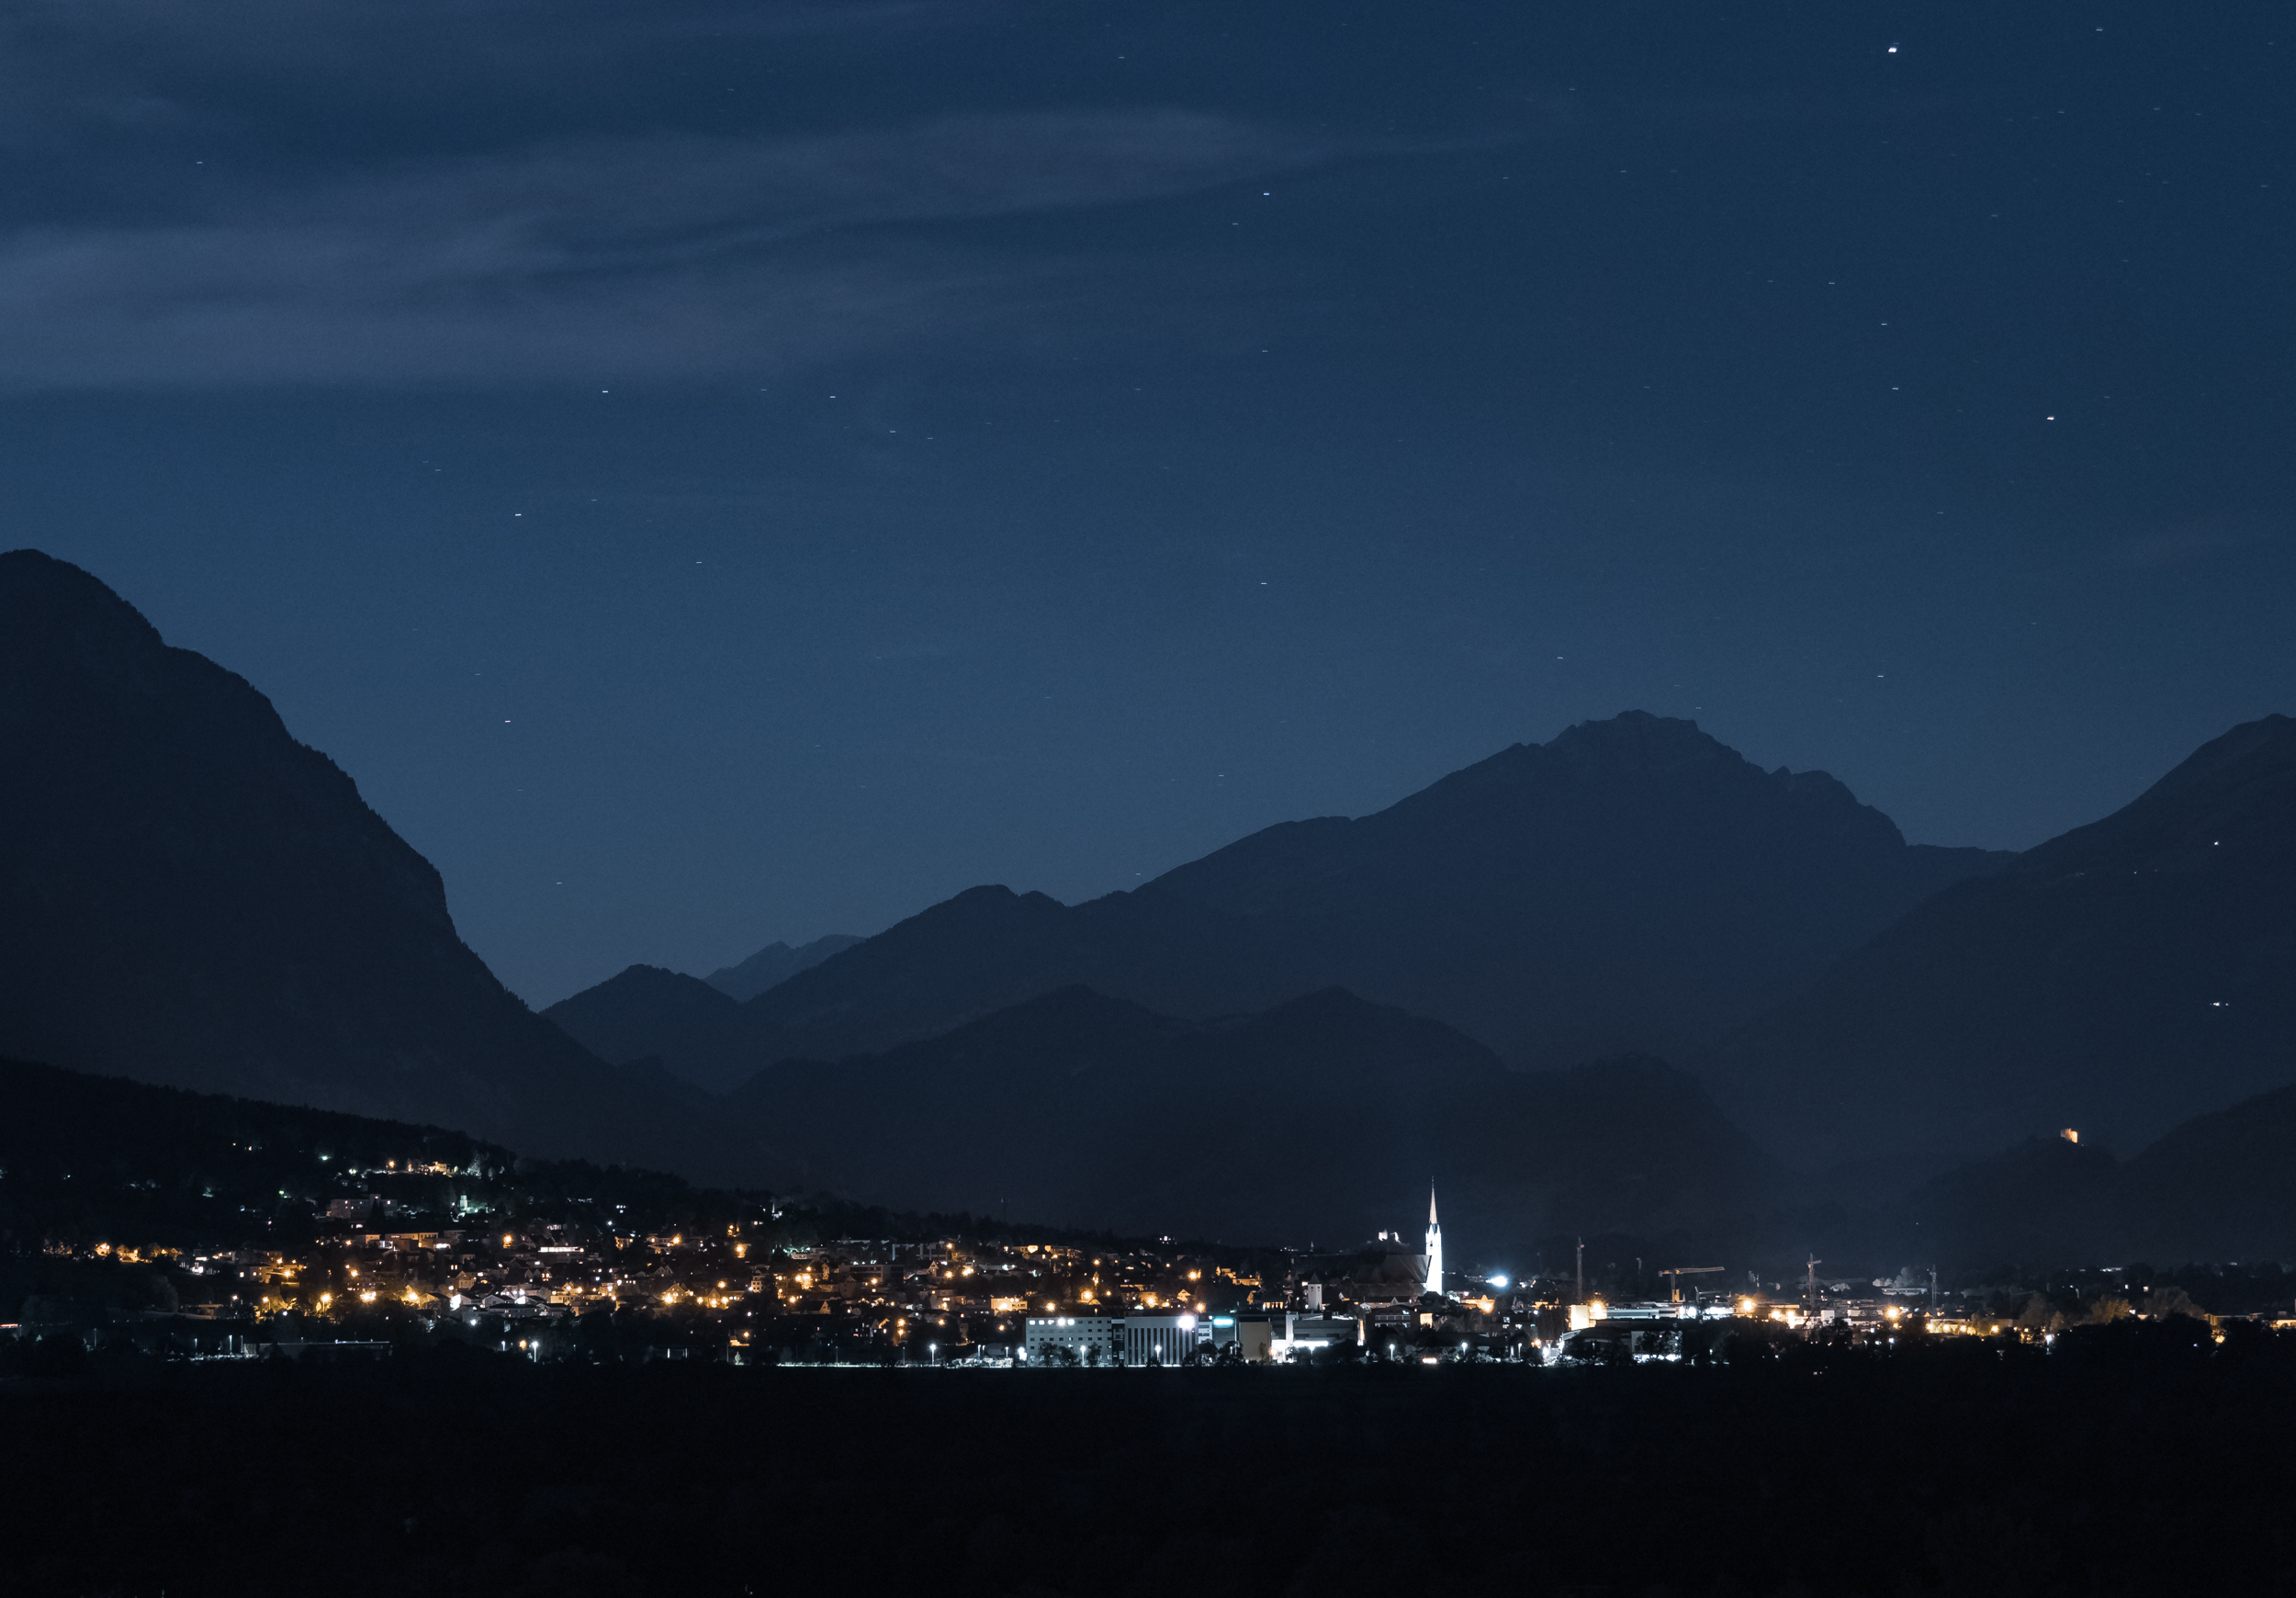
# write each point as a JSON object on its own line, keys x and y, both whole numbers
{"x": 1434, "y": 1245}
{"x": 1157, "y": 1339}
{"x": 1111, "y": 1339}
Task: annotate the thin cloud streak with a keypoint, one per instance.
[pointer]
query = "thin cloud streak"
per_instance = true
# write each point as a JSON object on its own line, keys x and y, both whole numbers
{"x": 660, "y": 255}
{"x": 95, "y": 62}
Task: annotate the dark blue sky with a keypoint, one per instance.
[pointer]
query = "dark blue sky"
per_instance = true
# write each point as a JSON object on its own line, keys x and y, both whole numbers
{"x": 722, "y": 473}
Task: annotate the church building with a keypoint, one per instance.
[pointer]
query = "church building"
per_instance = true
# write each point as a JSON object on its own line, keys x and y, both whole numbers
{"x": 1434, "y": 1245}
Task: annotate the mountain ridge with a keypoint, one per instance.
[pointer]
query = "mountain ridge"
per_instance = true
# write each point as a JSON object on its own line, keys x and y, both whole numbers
{"x": 776, "y": 963}
{"x": 191, "y": 896}
{"x": 2220, "y": 1186}
{"x": 1320, "y": 1118}
{"x": 1633, "y": 885}
{"x": 2118, "y": 979}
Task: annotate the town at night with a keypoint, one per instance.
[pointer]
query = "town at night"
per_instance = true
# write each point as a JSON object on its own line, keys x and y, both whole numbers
{"x": 1025, "y": 800}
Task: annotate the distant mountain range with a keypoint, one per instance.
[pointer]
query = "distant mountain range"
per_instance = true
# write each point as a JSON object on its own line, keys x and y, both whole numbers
{"x": 1633, "y": 885}
{"x": 2116, "y": 980}
{"x": 680, "y": 1024}
{"x": 1321, "y": 1117}
{"x": 189, "y": 896}
{"x": 776, "y": 963}
{"x": 1324, "y": 1119}
{"x": 1285, "y": 1039}
{"x": 694, "y": 1028}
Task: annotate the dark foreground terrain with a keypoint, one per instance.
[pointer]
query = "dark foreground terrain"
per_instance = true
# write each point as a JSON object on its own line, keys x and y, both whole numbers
{"x": 2129, "y": 1458}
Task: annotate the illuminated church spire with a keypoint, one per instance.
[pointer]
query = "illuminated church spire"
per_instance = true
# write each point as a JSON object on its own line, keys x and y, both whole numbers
{"x": 1435, "y": 1244}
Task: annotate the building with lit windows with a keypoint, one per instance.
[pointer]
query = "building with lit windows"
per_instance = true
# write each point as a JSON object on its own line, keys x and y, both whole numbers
{"x": 1058, "y": 1339}
{"x": 1157, "y": 1339}
{"x": 1111, "y": 1339}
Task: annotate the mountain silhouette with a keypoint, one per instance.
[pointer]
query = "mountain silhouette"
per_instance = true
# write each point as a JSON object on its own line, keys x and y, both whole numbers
{"x": 2118, "y": 980}
{"x": 1631, "y": 885}
{"x": 2220, "y": 1187}
{"x": 685, "y": 1026}
{"x": 189, "y": 896}
{"x": 1322, "y": 1118}
{"x": 776, "y": 963}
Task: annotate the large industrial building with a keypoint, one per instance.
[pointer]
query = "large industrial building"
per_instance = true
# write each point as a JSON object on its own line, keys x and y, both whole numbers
{"x": 1112, "y": 1339}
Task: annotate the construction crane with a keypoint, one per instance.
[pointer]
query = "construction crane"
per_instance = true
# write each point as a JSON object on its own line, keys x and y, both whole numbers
{"x": 1678, "y": 1272}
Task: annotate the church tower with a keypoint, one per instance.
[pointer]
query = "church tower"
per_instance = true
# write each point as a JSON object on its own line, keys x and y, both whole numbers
{"x": 1434, "y": 1245}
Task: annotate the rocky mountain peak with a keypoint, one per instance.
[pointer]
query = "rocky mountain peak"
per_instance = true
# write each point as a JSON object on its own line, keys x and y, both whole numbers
{"x": 1636, "y": 740}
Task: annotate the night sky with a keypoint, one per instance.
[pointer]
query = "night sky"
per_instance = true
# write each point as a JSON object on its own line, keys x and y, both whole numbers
{"x": 719, "y": 473}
